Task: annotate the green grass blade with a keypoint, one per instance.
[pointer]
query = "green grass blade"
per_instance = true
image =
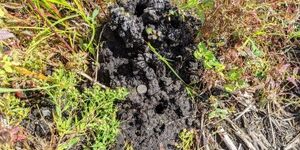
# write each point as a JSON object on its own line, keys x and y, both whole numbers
{"x": 11, "y": 90}
{"x": 163, "y": 59}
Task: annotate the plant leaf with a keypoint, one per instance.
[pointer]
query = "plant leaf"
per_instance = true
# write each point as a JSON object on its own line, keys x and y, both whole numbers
{"x": 2, "y": 13}
{"x": 95, "y": 13}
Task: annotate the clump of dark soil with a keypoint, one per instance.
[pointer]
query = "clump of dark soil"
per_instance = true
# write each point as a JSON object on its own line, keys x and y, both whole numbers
{"x": 39, "y": 118}
{"x": 158, "y": 107}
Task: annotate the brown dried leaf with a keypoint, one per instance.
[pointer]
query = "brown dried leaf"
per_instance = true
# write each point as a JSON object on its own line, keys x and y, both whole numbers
{"x": 26, "y": 72}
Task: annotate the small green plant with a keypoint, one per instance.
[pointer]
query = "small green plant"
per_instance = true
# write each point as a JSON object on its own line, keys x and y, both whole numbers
{"x": 6, "y": 69}
{"x": 6, "y": 64}
{"x": 187, "y": 138}
{"x": 257, "y": 64}
{"x": 196, "y": 6}
{"x": 97, "y": 120}
{"x": 233, "y": 77}
{"x": 295, "y": 34}
{"x": 234, "y": 80}
{"x": 12, "y": 109}
{"x": 208, "y": 58}
{"x": 216, "y": 111}
{"x": 100, "y": 103}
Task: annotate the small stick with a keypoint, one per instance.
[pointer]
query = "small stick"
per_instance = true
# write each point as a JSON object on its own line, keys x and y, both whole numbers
{"x": 229, "y": 143}
{"x": 91, "y": 79}
{"x": 240, "y": 133}
{"x": 240, "y": 147}
{"x": 202, "y": 127}
{"x": 258, "y": 141}
{"x": 271, "y": 125}
{"x": 245, "y": 111}
{"x": 292, "y": 144}
{"x": 264, "y": 139}
{"x": 214, "y": 142}
{"x": 97, "y": 55}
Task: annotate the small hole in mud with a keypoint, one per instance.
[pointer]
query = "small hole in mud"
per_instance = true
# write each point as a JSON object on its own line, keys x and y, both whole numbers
{"x": 178, "y": 112}
{"x": 139, "y": 10}
{"x": 131, "y": 123}
{"x": 161, "y": 108}
{"x": 138, "y": 133}
{"x": 175, "y": 24}
{"x": 162, "y": 128}
{"x": 125, "y": 70}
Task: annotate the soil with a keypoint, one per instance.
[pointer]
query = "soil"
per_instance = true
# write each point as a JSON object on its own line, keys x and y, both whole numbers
{"x": 158, "y": 106}
{"x": 39, "y": 118}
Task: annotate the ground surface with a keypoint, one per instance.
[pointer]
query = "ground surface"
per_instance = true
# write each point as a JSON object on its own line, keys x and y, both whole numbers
{"x": 149, "y": 74}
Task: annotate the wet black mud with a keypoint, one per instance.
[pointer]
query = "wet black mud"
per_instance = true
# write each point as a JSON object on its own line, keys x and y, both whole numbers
{"x": 158, "y": 106}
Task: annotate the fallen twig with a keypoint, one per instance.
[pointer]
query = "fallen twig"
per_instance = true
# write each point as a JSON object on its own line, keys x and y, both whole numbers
{"x": 97, "y": 55}
{"x": 91, "y": 79}
{"x": 292, "y": 144}
{"x": 215, "y": 144}
{"x": 227, "y": 140}
{"x": 271, "y": 125}
{"x": 202, "y": 128}
{"x": 243, "y": 136}
{"x": 245, "y": 111}
{"x": 258, "y": 141}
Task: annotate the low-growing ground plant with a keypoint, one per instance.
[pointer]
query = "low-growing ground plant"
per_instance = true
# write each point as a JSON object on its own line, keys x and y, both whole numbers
{"x": 209, "y": 59}
{"x": 195, "y": 6}
{"x": 187, "y": 138}
{"x": 217, "y": 112}
{"x": 13, "y": 110}
{"x": 54, "y": 49}
{"x": 97, "y": 122}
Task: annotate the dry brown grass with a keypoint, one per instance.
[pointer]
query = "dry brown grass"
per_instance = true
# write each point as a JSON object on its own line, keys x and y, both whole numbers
{"x": 267, "y": 108}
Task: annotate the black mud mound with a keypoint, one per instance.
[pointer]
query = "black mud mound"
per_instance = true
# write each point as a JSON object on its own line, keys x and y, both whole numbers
{"x": 158, "y": 107}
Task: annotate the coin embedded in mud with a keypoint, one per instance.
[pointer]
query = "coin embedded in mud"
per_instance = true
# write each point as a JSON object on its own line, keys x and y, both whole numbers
{"x": 141, "y": 89}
